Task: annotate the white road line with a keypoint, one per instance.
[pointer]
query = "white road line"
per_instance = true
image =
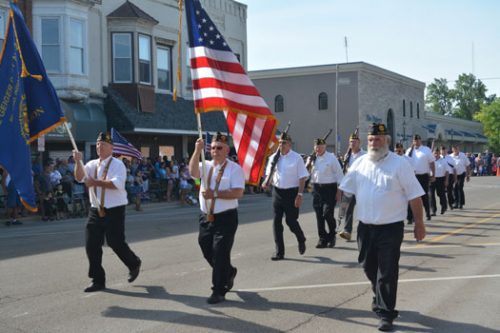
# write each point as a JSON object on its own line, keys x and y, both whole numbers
{"x": 344, "y": 284}
{"x": 20, "y": 315}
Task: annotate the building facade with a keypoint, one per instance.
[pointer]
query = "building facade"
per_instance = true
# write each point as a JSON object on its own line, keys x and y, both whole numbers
{"x": 113, "y": 64}
{"x": 343, "y": 97}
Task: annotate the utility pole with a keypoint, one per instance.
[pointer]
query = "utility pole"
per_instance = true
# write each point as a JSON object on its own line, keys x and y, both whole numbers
{"x": 346, "y": 49}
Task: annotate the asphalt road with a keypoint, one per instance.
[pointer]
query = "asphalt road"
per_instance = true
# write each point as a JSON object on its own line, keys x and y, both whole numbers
{"x": 448, "y": 283}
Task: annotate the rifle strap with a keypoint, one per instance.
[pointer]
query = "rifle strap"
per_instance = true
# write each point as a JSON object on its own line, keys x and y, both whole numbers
{"x": 210, "y": 215}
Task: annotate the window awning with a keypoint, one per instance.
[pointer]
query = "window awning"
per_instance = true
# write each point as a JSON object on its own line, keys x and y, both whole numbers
{"x": 86, "y": 120}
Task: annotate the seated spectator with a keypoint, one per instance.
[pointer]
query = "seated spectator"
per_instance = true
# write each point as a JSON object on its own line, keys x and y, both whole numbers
{"x": 185, "y": 185}
{"x": 62, "y": 200}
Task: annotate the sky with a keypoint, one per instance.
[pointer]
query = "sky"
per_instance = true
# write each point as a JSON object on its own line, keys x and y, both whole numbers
{"x": 420, "y": 39}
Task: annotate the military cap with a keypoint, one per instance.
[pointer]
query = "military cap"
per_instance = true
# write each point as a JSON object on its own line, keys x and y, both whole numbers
{"x": 104, "y": 136}
{"x": 285, "y": 137}
{"x": 318, "y": 142}
{"x": 399, "y": 145}
{"x": 354, "y": 136}
{"x": 417, "y": 137}
{"x": 219, "y": 137}
{"x": 377, "y": 129}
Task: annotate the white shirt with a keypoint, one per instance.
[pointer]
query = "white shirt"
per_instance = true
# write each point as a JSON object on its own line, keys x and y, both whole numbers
{"x": 117, "y": 174}
{"x": 382, "y": 188}
{"x": 451, "y": 163}
{"x": 461, "y": 162}
{"x": 233, "y": 177}
{"x": 421, "y": 159}
{"x": 289, "y": 170}
{"x": 326, "y": 169}
{"x": 355, "y": 156}
{"x": 441, "y": 168}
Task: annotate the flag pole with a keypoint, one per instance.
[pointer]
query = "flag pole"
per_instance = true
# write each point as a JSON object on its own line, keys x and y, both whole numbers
{"x": 202, "y": 174}
{"x": 92, "y": 195}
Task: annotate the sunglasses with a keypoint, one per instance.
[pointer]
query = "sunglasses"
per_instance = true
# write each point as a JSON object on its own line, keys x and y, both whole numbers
{"x": 216, "y": 147}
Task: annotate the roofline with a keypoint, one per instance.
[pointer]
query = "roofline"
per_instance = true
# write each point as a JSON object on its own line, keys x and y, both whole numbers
{"x": 331, "y": 68}
{"x": 164, "y": 131}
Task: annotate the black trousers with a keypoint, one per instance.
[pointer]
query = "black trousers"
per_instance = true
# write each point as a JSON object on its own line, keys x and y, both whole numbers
{"x": 284, "y": 203}
{"x": 423, "y": 179}
{"x": 349, "y": 215}
{"x": 438, "y": 186}
{"x": 449, "y": 190}
{"x": 216, "y": 241}
{"x": 458, "y": 190}
{"x": 379, "y": 252}
{"x": 112, "y": 228}
{"x": 324, "y": 201}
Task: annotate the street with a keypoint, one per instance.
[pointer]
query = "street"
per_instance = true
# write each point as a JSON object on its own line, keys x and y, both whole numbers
{"x": 450, "y": 282}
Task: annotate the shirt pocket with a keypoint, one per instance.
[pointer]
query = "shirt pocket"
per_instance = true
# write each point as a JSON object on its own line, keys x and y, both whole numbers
{"x": 225, "y": 183}
{"x": 384, "y": 182}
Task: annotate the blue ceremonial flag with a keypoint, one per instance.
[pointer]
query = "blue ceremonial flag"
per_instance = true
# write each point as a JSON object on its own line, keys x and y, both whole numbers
{"x": 29, "y": 106}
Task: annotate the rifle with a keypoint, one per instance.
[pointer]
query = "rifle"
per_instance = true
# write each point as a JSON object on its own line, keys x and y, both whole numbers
{"x": 274, "y": 162}
{"x": 348, "y": 154}
{"x": 312, "y": 156}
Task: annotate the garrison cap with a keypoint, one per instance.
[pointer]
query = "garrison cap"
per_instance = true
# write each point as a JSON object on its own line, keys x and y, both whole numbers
{"x": 219, "y": 137}
{"x": 104, "y": 136}
{"x": 377, "y": 129}
{"x": 318, "y": 142}
{"x": 285, "y": 137}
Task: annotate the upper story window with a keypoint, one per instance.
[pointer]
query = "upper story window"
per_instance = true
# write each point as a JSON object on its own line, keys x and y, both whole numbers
{"x": 3, "y": 24}
{"x": 164, "y": 67}
{"x": 122, "y": 57}
{"x": 411, "y": 109}
{"x": 51, "y": 43}
{"x": 279, "y": 104}
{"x": 418, "y": 111}
{"x": 144, "y": 59}
{"x": 323, "y": 101}
{"x": 404, "y": 108}
{"x": 76, "y": 47}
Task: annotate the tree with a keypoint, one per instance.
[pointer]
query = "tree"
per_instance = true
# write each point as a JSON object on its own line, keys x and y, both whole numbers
{"x": 439, "y": 97}
{"x": 489, "y": 116}
{"x": 469, "y": 94}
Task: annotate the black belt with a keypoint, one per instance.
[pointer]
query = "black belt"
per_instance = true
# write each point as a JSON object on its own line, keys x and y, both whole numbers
{"x": 324, "y": 185}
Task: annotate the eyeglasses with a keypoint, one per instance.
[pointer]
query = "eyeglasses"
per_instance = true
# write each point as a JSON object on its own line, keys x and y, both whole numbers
{"x": 216, "y": 147}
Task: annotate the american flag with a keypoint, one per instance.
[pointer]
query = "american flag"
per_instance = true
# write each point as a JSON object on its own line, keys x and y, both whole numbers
{"x": 220, "y": 83}
{"x": 122, "y": 147}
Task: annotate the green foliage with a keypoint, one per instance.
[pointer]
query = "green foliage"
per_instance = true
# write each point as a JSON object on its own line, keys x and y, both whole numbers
{"x": 489, "y": 116}
{"x": 439, "y": 97}
{"x": 469, "y": 94}
{"x": 463, "y": 101}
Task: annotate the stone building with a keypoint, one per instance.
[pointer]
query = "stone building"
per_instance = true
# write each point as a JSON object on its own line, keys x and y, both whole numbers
{"x": 315, "y": 100}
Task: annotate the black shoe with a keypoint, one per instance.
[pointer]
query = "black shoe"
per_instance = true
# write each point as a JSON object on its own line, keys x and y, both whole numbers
{"x": 433, "y": 214}
{"x": 215, "y": 298}
{"x": 321, "y": 244}
{"x": 94, "y": 287}
{"x": 428, "y": 218}
{"x": 443, "y": 210}
{"x": 455, "y": 206}
{"x": 385, "y": 325}
{"x": 461, "y": 207}
{"x": 302, "y": 247}
{"x": 277, "y": 257}
{"x": 134, "y": 273}
{"x": 230, "y": 283}
{"x": 332, "y": 242}
{"x": 410, "y": 221}
{"x": 374, "y": 305}
{"x": 451, "y": 207}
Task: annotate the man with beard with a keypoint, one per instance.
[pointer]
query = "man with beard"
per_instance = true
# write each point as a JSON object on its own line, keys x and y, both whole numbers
{"x": 384, "y": 183}
{"x": 225, "y": 183}
{"x": 288, "y": 180}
